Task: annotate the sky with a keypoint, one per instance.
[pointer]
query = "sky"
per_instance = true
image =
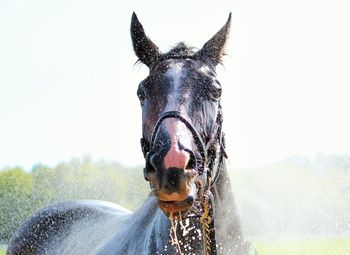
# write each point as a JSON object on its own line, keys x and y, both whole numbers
{"x": 68, "y": 80}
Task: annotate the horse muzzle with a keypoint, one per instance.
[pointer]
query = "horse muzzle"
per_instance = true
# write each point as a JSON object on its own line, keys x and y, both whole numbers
{"x": 175, "y": 188}
{"x": 173, "y": 163}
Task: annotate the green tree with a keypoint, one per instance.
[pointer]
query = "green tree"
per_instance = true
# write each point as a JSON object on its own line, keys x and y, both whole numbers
{"x": 22, "y": 193}
{"x": 15, "y": 200}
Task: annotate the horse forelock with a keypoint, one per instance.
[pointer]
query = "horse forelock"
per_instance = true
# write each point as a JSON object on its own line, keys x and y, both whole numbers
{"x": 180, "y": 50}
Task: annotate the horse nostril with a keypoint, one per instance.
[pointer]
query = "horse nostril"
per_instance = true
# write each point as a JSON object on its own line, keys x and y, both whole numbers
{"x": 145, "y": 174}
{"x": 150, "y": 168}
{"x": 192, "y": 162}
{"x": 155, "y": 161}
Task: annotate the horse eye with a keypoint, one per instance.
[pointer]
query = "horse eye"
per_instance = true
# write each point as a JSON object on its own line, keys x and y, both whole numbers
{"x": 141, "y": 95}
{"x": 217, "y": 93}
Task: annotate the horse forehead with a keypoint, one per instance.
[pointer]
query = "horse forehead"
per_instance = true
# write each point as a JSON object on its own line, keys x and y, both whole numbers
{"x": 178, "y": 70}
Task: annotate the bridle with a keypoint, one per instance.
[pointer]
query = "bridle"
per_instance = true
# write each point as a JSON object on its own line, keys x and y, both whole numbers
{"x": 212, "y": 155}
{"x": 208, "y": 151}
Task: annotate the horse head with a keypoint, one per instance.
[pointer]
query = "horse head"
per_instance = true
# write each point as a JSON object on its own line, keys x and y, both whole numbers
{"x": 181, "y": 117}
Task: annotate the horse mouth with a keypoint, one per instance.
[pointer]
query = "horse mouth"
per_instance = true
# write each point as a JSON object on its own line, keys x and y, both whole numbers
{"x": 177, "y": 208}
{"x": 180, "y": 209}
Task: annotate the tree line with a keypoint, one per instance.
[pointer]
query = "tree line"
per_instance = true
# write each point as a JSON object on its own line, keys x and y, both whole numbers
{"x": 313, "y": 193}
{"x": 22, "y": 192}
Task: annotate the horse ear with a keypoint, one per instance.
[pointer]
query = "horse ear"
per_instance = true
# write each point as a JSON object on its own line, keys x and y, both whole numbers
{"x": 213, "y": 50}
{"x": 144, "y": 48}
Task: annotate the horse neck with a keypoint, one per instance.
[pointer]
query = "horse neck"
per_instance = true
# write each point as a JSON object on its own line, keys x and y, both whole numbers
{"x": 227, "y": 223}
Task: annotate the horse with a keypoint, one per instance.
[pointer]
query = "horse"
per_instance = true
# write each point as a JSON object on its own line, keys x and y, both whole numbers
{"x": 191, "y": 208}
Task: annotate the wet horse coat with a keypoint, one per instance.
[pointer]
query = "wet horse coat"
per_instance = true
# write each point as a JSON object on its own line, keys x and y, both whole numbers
{"x": 183, "y": 82}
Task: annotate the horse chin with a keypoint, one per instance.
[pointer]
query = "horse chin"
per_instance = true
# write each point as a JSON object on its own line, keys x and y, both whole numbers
{"x": 179, "y": 209}
{"x": 176, "y": 208}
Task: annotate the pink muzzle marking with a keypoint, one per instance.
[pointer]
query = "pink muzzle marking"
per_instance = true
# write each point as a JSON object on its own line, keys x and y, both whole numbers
{"x": 176, "y": 157}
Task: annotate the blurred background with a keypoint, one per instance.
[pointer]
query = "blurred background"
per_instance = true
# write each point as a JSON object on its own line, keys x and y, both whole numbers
{"x": 71, "y": 122}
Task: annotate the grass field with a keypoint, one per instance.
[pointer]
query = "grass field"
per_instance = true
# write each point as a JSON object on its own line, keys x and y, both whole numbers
{"x": 307, "y": 247}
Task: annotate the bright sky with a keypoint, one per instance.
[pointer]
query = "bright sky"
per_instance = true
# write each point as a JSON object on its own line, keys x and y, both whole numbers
{"x": 68, "y": 84}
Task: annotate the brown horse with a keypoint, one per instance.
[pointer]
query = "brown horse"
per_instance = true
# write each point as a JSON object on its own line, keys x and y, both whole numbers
{"x": 191, "y": 209}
